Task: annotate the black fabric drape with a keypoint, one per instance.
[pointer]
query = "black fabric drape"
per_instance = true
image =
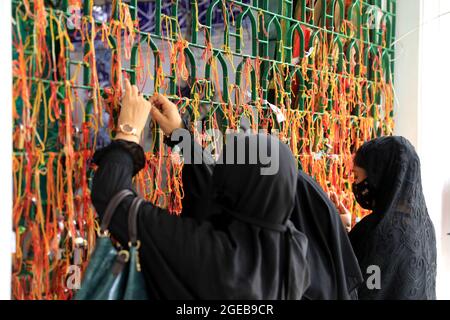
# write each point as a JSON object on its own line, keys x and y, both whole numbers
{"x": 187, "y": 258}
{"x": 197, "y": 182}
{"x": 334, "y": 269}
{"x": 335, "y": 273}
{"x": 398, "y": 237}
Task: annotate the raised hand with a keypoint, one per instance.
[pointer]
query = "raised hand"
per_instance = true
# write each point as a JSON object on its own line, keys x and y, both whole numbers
{"x": 165, "y": 113}
{"x": 133, "y": 114}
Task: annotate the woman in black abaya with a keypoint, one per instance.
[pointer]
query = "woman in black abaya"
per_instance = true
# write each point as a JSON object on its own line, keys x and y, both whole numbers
{"x": 335, "y": 273}
{"x": 252, "y": 251}
{"x": 398, "y": 236}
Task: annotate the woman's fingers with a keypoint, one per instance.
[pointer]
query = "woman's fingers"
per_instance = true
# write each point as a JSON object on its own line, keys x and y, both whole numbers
{"x": 160, "y": 101}
{"x": 334, "y": 197}
{"x": 164, "y": 100}
{"x": 165, "y": 114}
{"x": 338, "y": 203}
{"x": 158, "y": 117}
{"x": 131, "y": 90}
{"x": 149, "y": 103}
{"x": 127, "y": 87}
{"x": 135, "y": 91}
{"x": 346, "y": 221}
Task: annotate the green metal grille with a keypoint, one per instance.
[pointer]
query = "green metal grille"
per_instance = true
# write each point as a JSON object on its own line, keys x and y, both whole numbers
{"x": 318, "y": 73}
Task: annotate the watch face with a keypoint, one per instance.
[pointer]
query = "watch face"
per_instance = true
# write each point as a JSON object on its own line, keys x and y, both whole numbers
{"x": 127, "y": 128}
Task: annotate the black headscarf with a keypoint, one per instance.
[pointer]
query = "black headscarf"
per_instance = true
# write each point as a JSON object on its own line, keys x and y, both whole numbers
{"x": 264, "y": 202}
{"x": 398, "y": 237}
{"x": 335, "y": 274}
{"x": 252, "y": 251}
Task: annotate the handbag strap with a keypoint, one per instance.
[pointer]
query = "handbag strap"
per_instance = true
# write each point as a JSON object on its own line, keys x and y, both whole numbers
{"x": 132, "y": 220}
{"x": 111, "y": 208}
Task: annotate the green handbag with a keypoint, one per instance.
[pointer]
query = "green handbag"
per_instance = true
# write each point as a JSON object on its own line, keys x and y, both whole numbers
{"x": 115, "y": 274}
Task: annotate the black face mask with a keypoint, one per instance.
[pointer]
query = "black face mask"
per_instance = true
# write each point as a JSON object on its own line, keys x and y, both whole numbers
{"x": 364, "y": 194}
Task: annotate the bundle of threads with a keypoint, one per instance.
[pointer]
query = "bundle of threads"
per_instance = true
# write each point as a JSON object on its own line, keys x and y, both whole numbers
{"x": 324, "y": 89}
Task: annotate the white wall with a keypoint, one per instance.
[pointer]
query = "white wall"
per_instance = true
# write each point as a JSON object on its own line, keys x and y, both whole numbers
{"x": 434, "y": 134}
{"x": 6, "y": 148}
{"x": 423, "y": 110}
{"x": 406, "y": 75}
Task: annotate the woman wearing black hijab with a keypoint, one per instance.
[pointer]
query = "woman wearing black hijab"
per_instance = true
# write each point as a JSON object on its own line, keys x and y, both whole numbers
{"x": 252, "y": 251}
{"x": 398, "y": 237}
{"x": 335, "y": 273}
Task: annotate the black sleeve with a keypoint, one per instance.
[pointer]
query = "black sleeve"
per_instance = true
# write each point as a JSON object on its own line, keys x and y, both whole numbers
{"x": 132, "y": 149}
{"x": 117, "y": 164}
{"x": 121, "y": 160}
{"x": 166, "y": 240}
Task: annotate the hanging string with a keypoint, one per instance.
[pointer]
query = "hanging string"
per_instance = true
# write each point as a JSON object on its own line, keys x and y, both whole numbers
{"x": 321, "y": 106}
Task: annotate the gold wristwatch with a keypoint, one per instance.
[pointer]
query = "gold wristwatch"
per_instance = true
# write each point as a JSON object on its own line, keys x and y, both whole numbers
{"x": 128, "y": 129}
